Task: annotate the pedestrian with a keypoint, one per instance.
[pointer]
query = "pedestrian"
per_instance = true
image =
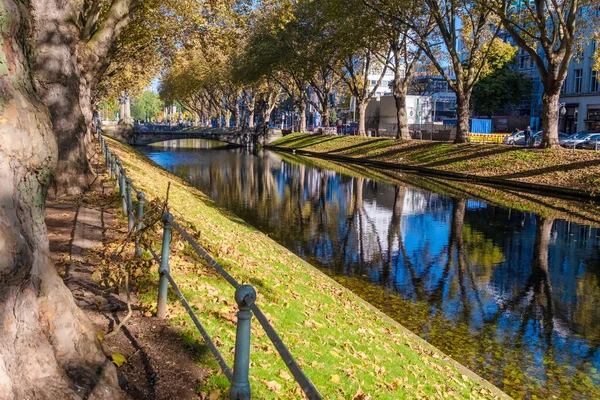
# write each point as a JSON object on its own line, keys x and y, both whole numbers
{"x": 527, "y": 135}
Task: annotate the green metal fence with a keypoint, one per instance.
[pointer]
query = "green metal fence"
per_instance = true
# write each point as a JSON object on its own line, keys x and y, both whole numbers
{"x": 245, "y": 295}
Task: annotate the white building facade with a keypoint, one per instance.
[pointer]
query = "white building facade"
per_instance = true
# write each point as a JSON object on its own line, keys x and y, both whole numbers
{"x": 581, "y": 93}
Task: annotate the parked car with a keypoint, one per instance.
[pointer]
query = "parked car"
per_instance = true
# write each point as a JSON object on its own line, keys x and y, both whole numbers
{"x": 510, "y": 139}
{"x": 537, "y": 141}
{"x": 575, "y": 140}
{"x": 592, "y": 142}
{"x": 521, "y": 140}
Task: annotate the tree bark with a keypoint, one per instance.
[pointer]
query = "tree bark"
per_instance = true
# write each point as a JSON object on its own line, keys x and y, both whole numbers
{"x": 252, "y": 107}
{"x": 63, "y": 91}
{"x": 325, "y": 116}
{"x": 550, "y": 109}
{"x": 362, "y": 118}
{"x": 227, "y": 118}
{"x": 463, "y": 128}
{"x": 48, "y": 348}
{"x": 303, "y": 117}
{"x": 401, "y": 117}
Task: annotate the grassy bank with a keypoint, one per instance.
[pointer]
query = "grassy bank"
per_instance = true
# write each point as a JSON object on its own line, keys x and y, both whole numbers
{"x": 564, "y": 168}
{"x": 344, "y": 345}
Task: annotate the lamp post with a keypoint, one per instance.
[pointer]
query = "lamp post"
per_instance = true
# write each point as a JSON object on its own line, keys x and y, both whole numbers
{"x": 562, "y": 110}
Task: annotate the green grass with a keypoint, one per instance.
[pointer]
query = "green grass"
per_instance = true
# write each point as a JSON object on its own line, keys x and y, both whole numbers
{"x": 343, "y": 344}
{"x": 558, "y": 167}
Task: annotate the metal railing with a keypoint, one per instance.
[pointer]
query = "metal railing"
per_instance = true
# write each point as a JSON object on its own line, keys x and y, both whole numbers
{"x": 245, "y": 295}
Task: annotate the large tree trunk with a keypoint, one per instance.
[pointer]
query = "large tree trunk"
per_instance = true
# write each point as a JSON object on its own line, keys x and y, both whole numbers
{"x": 48, "y": 348}
{"x": 463, "y": 128}
{"x": 325, "y": 111}
{"x": 252, "y": 113}
{"x": 401, "y": 117}
{"x": 362, "y": 118}
{"x": 63, "y": 90}
{"x": 303, "y": 117}
{"x": 227, "y": 118}
{"x": 550, "y": 105}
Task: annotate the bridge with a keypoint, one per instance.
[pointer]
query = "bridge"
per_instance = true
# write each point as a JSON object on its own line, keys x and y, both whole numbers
{"x": 145, "y": 135}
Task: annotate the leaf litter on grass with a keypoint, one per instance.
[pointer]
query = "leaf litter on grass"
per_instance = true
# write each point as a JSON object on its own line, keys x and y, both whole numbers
{"x": 327, "y": 328}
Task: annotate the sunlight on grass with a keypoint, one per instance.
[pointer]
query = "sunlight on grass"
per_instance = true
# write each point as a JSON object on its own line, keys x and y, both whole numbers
{"x": 343, "y": 344}
{"x": 558, "y": 167}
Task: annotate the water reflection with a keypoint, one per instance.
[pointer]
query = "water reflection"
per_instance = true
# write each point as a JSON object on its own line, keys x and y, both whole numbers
{"x": 514, "y": 296}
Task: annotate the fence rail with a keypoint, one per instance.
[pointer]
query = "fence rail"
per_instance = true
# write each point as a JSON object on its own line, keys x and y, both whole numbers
{"x": 245, "y": 295}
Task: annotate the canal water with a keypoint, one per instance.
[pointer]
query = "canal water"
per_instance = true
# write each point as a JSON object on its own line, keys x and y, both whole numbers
{"x": 512, "y": 295}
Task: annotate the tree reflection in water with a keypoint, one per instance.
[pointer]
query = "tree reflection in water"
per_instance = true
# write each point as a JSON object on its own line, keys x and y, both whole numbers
{"x": 514, "y": 296}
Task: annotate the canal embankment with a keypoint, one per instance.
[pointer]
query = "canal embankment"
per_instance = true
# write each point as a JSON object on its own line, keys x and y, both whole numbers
{"x": 347, "y": 347}
{"x": 572, "y": 173}
{"x": 571, "y": 209}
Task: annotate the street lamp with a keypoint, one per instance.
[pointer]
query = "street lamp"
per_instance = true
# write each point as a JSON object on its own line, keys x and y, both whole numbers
{"x": 562, "y": 110}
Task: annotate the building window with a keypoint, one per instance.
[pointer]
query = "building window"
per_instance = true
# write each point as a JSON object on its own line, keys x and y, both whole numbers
{"x": 594, "y": 84}
{"x": 524, "y": 62}
{"x": 563, "y": 88}
{"x": 578, "y": 80}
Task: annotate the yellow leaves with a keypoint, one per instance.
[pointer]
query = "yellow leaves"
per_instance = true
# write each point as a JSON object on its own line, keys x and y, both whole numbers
{"x": 100, "y": 336}
{"x": 118, "y": 359}
{"x": 215, "y": 395}
{"x": 273, "y": 386}
{"x": 335, "y": 378}
{"x": 285, "y": 375}
{"x": 360, "y": 395}
{"x": 96, "y": 276}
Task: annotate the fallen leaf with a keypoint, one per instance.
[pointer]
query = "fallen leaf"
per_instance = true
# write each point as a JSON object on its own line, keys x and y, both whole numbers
{"x": 118, "y": 359}
{"x": 100, "y": 336}
{"x": 273, "y": 386}
{"x": 97, "y": 276}
{"x": 335, "y": 378}
{"x": 283, "y": 374}
{"x": 215, "y": 395}
{"x": 360, "y": 395}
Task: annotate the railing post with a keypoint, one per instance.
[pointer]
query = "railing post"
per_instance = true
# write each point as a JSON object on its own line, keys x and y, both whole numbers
{"x": 111, "y": 168}
{"x": 163, "y": 285}
{"x": 141, "y": 198}
{"x": 245, "y": 296}
{"x": 130, "y": 216}
{"x": 118, "y": 168}
{"x": 122, "y": 190}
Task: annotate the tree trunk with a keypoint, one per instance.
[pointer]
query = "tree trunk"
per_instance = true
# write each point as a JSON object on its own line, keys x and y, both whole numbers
{"x": 325, "y": 115}
{"x": 401, "y": 117}
{"x": 48, "y": 348}
{"x": 238, "y": 117}
{"x": 227, "y": 119}
{"x": 362, "y": 118}
{"x": 251, "y": 114}
{"x": 303, "y": 117}
{"x": 550, "y": 110}
{"x": 65, "y": 93}
{"x": 463, "y": 128}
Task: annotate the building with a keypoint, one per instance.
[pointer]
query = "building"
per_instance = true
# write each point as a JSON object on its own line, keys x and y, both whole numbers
{"x": 580, "y": 93}
{"x": 385, "y": 88}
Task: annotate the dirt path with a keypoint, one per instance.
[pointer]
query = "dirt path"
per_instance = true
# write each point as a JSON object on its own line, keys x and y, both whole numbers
{"x": 160, "y": 365}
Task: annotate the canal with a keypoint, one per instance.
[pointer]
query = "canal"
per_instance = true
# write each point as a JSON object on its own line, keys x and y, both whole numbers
{"x": 506, "y": 283}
